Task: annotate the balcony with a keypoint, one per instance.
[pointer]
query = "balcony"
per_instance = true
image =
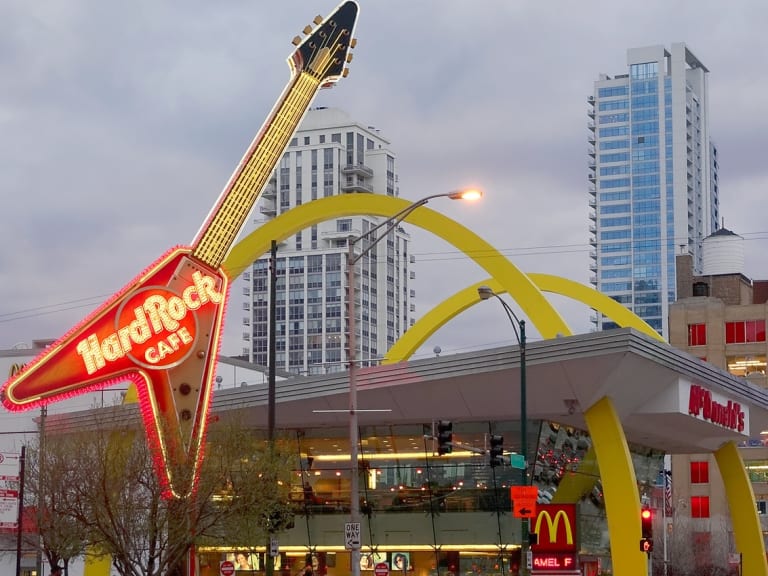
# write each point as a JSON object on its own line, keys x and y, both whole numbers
{"x": 357, "y": 187}
{"x": 268, "y": 209}
{"x": 359, "y": 169}
{"x": 270, "y": 190}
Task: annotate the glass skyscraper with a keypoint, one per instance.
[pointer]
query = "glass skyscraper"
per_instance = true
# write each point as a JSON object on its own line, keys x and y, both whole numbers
{"x": 652, "y": 178}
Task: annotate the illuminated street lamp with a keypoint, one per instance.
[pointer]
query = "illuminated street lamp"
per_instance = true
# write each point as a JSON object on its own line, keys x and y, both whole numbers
{"x": 389, "y": 224}
{"x": 485, "y": 292}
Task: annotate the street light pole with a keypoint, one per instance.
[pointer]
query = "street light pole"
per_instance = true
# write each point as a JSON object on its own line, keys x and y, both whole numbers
{"x": 352, "y": 259}
{"x": 485, "y": 292}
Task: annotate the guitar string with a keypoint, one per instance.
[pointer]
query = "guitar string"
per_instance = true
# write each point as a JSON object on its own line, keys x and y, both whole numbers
{"x": 237, "y": 203}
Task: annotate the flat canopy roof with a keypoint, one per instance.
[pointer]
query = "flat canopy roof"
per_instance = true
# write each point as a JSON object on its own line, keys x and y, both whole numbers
{"x": 648, "y": 381}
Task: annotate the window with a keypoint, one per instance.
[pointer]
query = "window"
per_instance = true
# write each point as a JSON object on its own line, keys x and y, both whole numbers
{"x": 700, "y": 472}
{"x": 699, "y": 506}
{"x": 697, "y": 334}
{"x": 745, "y": 331}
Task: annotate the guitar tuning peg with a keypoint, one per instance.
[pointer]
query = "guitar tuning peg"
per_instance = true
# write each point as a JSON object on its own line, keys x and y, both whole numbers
{"x": 349, "y": 57}
{"x": 345, "y": 73}
{"x": 353, "y": 43}
{"x": 296, "y": 40}
{"x": 318, "y": 19}
{"x": 307, "y": 30}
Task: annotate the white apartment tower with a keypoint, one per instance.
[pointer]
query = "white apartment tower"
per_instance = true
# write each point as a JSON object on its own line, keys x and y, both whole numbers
{"x": 330, "y": 154}
{"x": 652, "y": 178}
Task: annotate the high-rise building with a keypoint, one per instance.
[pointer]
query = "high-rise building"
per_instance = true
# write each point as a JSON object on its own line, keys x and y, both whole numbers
{"x": 652, "y": 178}
{"x": 330, "y": 154}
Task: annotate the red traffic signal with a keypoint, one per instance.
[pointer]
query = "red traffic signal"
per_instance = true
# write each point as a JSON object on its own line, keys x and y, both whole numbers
{"x": 646, "y": 520}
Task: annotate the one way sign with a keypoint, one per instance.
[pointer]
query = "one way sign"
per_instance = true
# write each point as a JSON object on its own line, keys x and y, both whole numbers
{"x": 351, "y": 535}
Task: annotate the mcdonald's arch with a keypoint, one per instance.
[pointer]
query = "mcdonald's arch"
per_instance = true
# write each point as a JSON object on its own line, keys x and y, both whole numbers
{"x": 602, "y": 413}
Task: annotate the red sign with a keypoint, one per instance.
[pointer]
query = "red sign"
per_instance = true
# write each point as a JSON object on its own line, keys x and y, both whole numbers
{"x": 226, "y": 568}
{"x": 381, "y": 569}
{"x": 555, "y": 525}
{"x": 701, "y": 404}
{"x": 554, "y": 562}
{"x": 162, "y": 333}
{"x": 524, "y": 501}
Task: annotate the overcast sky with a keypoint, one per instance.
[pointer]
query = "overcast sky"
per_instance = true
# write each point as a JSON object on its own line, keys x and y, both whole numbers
{"x": 121, "y": 122}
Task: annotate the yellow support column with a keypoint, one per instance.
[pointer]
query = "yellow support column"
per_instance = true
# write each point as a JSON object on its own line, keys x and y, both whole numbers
{"x": 741, "y": 501}
{"x": 97, "y": 565}
{"x": 622, "y": 501}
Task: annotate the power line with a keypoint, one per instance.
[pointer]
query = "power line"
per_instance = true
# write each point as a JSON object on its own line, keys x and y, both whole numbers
{"x": 438, "y": 256}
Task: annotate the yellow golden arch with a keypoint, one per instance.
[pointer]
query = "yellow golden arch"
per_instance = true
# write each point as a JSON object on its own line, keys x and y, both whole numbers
{"x": 611, "y": 452}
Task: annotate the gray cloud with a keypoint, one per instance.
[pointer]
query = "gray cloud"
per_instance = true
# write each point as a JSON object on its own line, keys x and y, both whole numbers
{"x": 121, "y": 123}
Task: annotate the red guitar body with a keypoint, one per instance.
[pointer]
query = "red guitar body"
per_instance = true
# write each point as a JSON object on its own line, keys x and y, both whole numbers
{"x": 160, "y": 332}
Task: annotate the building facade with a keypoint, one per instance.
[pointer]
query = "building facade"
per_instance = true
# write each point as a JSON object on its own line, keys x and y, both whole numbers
{"x": 720, "y": 316}
{"x": 653, "y": 180}
{"x": 330, "y": 154}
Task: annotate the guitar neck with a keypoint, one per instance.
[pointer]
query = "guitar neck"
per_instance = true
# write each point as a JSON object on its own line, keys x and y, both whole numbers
{"x": 244, "y": 187}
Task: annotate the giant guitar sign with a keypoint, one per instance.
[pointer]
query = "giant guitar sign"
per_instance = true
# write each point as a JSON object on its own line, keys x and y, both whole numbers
{"x": 162, "y": 331}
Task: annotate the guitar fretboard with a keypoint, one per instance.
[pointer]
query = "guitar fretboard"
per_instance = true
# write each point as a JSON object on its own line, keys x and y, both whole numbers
{"x": 243, "y": 189}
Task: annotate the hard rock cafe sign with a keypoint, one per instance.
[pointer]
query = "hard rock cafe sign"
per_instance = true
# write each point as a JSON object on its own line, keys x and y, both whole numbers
{"x": 162, "y": 331}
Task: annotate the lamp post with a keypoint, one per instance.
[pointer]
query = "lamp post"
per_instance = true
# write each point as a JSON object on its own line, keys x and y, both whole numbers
{"x": 352, "y": 259}
{"x": 485, "y": 292}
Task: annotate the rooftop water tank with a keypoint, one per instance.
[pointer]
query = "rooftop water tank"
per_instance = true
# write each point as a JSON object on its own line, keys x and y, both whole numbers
{"x": 723, "y": 253}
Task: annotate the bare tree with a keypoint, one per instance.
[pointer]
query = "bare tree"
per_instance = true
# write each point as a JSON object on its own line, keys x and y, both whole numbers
{"x": 47, "y": 493}
{"x": 112, "y": 496}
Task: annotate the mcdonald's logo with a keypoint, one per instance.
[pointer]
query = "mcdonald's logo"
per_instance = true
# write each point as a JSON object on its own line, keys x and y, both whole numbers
{"x": 15, "y": 369}
{"x": 555, "y": 526}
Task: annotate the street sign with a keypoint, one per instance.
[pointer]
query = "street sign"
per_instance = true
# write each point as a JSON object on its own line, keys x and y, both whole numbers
{"x": 517, "y": 461}
{"x": 274, "y": 546}
{"x": 351, "y": 535}
{"x": 381, "y": 569}
{"x": 524, "y": 501}
{"x": 226, "y": 568}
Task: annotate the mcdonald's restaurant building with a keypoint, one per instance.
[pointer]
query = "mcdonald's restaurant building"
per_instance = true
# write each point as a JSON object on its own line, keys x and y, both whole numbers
{"x": 428, "y": 514}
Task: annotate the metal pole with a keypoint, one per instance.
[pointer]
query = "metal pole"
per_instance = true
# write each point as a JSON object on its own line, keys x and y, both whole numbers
{"x": 269, "y": 560}
{"x": 22, "y": 460}
{"x": 523, "y": 441}
{"x": 272, "y": 344}
{"x": 354, "y": 504}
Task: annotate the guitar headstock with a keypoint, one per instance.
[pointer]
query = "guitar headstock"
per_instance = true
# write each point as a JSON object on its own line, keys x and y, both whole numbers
{"x": 327, "y": 48}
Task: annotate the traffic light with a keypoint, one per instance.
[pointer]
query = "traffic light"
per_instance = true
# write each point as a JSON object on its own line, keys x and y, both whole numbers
{"x": 646, "y": 519}
{"x": 646, "y": 545}
{"x": 444, "y": 437}
{"x": 496, "y": 451}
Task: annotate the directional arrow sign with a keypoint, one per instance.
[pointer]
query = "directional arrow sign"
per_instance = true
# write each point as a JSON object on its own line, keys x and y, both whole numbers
{"x": 524, "y": 501}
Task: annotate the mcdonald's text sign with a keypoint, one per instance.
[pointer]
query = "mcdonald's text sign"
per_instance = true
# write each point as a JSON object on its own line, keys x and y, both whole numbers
{"x": 555, "y": 525}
